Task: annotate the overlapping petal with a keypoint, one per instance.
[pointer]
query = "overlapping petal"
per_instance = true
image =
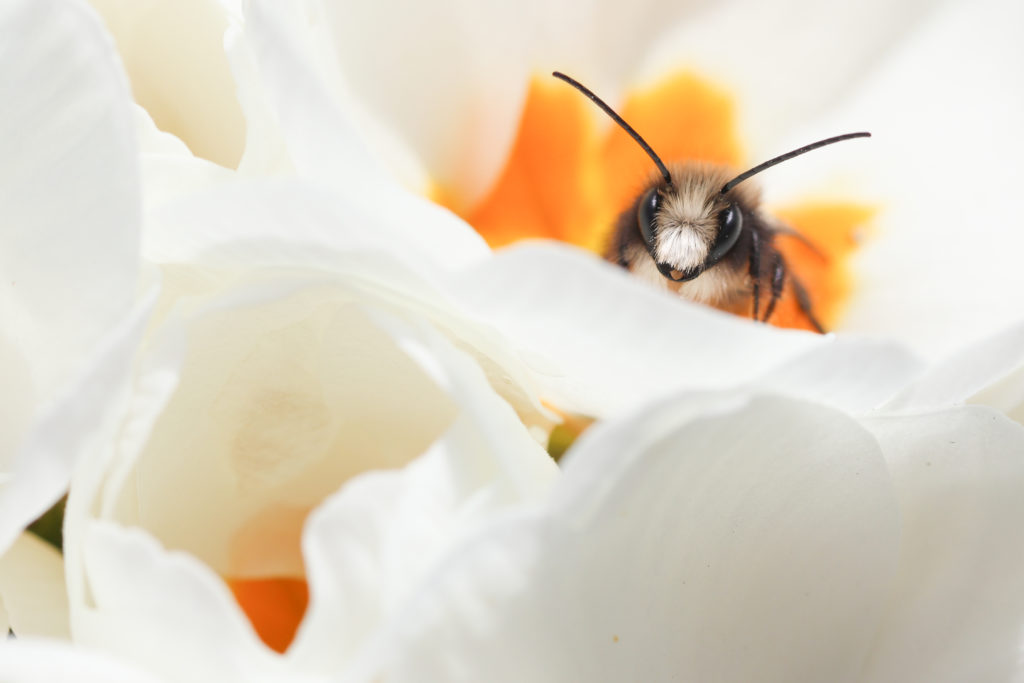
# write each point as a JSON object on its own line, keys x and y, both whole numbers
{"x": 261, "y": 393}
{"x": 323, "y": 140}
{"x": 70, "y": 201}
{"x": 167, "y": 612}
{"x": 284, "y": 222}
{"x": 602, "y": 343}
{"x": 987, "y": 372}
{"x": 369, "y": 545}
{"x": 69, "y": 263}
{"x": 174, "y": 55}
{"x": 691, "y": 549}
{"x": 675, "y": 546}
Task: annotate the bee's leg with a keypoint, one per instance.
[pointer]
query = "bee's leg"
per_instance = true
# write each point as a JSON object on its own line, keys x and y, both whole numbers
{"x": 778, "y": 282}
{"x": 804, "y": 302}
{"x": 755, "y": 272}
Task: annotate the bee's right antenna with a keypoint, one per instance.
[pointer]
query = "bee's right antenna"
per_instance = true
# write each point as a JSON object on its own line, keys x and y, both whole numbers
{"x": 787, "y": 156}
{"x": 617, "y": 119}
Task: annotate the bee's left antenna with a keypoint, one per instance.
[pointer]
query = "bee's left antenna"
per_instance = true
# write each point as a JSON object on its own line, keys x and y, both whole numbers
{"x": 617, "y": 119}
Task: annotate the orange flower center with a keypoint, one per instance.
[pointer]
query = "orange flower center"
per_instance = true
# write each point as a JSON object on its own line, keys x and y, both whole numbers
{"x": 568, "y": 178}
{"x": 275, "y": 607}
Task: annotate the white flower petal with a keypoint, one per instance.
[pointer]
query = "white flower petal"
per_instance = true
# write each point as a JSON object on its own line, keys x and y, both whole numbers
{"x": 165, "y": 611}
{"x": 370, "y": 544}
{"x": 69, "y": 262}
{"x": 1005, "y": 395}
{"x": 967, "y": 373}
{"x": 347, "y": 546}
{"x": 451, "y": 93}
{"x": 174, "y": 55}
{"x": 517, "y": 467}
{"x": 260, "y": 354}
{"x": 78, "y": 421}
{"x": 603, "y": 41}
{"x": 787, "y": 60}
{"x": 285, "y": 222}
{"x": 32, "y": 588}
{"x": 325, "y": 145}
{"x": 399, "y": 266}
{"x": 43, "y": 661}
{"x": 956, "y": 609}
{"x": 941, "y": 269}
{"x": 287, "y": 390}
{"x": 105, "y": 467}
{"x": 853, "y": 374}
{"x": 605, "y": 343}
{"x": 265, "y": 150}
{"x": 701, "y": 540}
{"x": 170, "y": 169}
{"x": 296, "y": 71}
{"x": 69, "y": 172}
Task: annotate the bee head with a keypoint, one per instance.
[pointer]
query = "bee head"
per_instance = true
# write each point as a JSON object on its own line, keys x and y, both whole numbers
{"x": 688, "y": 225}
{"x": 693, "y": 216}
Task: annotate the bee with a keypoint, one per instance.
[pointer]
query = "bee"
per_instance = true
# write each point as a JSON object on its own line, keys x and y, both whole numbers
{"x": 698, "y": 227}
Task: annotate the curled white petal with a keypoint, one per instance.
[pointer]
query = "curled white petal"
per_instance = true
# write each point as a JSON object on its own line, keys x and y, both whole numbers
{"x": 69, "y": 235}
{"x": 601, "y": 343}
{"x": 677, "y": 544}
{"x": 165, "y": 611}
{"x": 174, "y": 54}
{"x": 371, "y": 543}
{"x": 973, "y": 372}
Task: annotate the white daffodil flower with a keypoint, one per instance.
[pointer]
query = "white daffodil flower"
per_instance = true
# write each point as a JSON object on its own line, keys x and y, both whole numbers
{"x": 325, "y": 467}
{"x": 293, "y": 352}
{"x": 731, "y": 535}
{"x": 212, "y": 531}
{"x": 69, "y": 264}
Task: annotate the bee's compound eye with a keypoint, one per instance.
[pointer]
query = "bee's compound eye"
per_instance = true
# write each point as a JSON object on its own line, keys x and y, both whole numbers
{"x": 646, "y": 214}
{"x": 730, "y": 225}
